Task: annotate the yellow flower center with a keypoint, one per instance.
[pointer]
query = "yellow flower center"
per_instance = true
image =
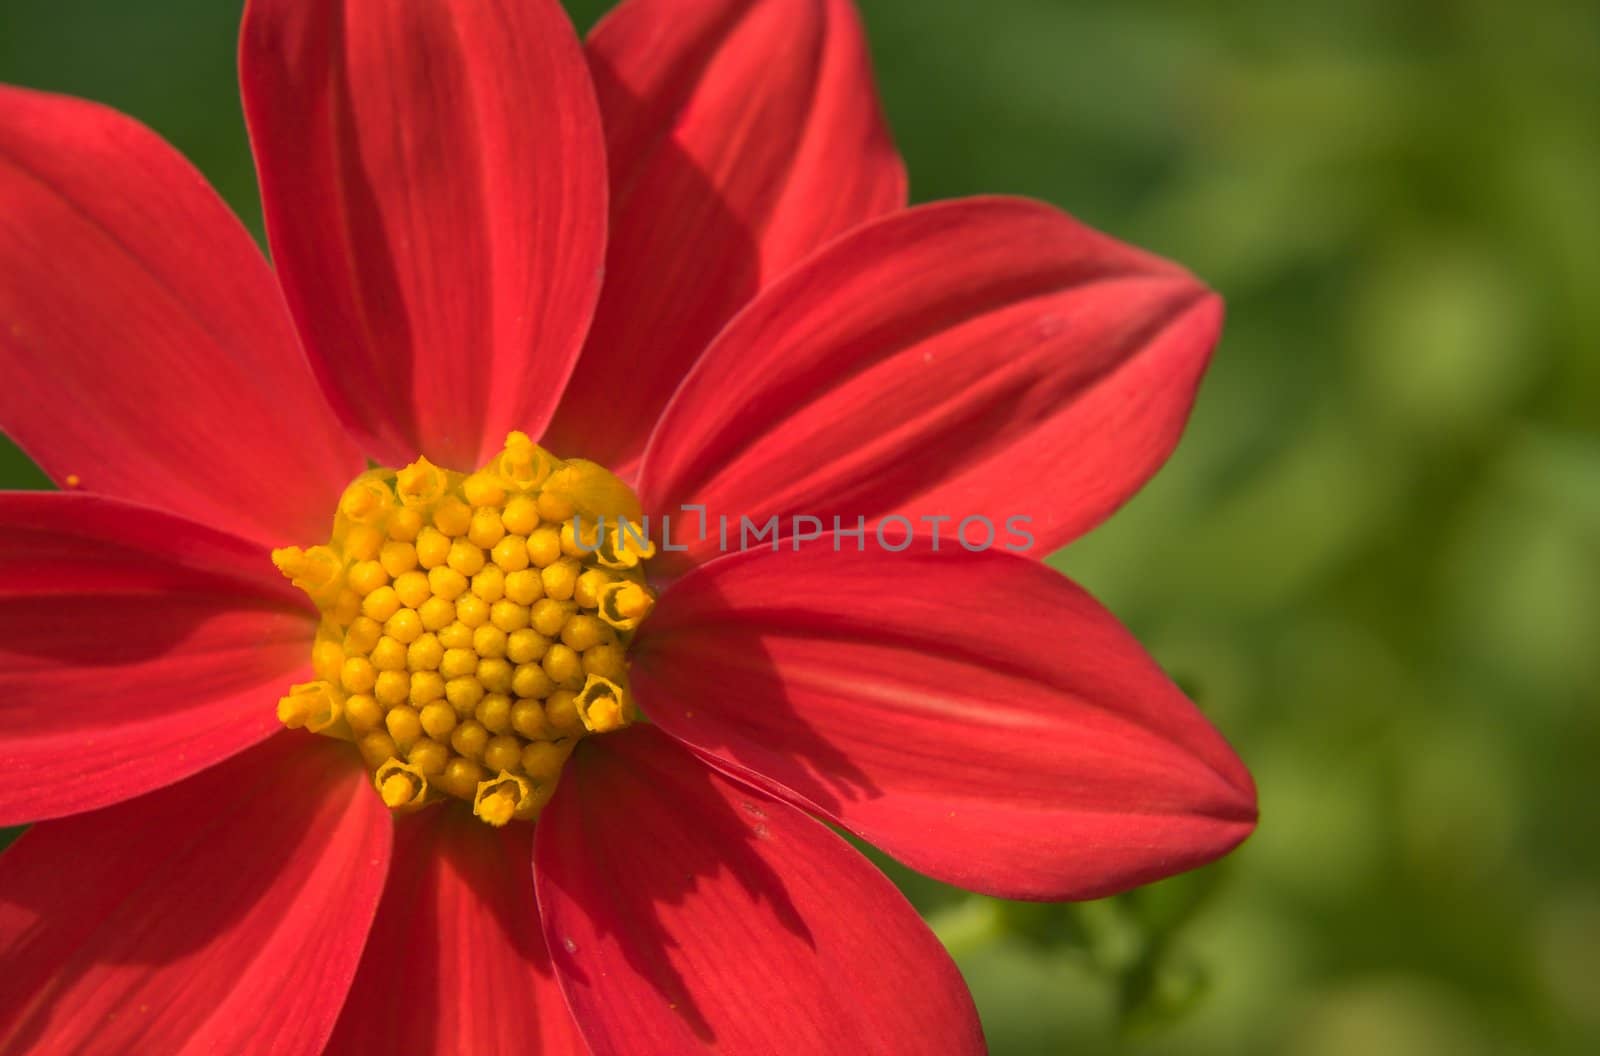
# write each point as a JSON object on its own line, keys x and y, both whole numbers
{"x": 474, "y": 626}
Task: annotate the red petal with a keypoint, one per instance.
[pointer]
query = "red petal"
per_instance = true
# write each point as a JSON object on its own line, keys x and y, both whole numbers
{"x": 742, "y": 135}
{"x": 975, "y": 715}
{"x": 687, "y": 912}
{"x": 456, "y": 961}
{"x": 984, "y": 357}
{"x": 434, "y": 182}
{"x": 224, "y": 914}
{"x": 144, "y": 344}
{"x": 136, "y": 648}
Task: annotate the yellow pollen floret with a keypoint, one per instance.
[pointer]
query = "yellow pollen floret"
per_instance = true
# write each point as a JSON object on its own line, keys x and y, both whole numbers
{"x": 502, "y": 798}
{"x": 523, "y": 465}
{"x": 421, "y": 483}
{"x": 317, "y": 571}
{"x": 475, "y": 626}
{"x": 601, "y": 705}
{"x": 401, "y": 784}
{"x": 316, "y": 706}
{"x": 366, "y": 501}
{"x": 624, "y": 604}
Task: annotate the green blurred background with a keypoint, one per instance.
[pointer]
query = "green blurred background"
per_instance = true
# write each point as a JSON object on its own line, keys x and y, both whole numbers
{"x": 1375, "y": 560}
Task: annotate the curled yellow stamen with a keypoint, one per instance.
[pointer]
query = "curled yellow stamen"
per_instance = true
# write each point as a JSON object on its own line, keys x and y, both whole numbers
{"x": 420, "y": 484}
{"x": 523, "y": 465}
{"x": 625, "y": 545}
{"x": 316, "y": 570}
{"x": 401, "y": 784}
{"x": 625, "y": 604}
{"x": 601, "y": 705}
{"x": 502, "y": 798}
{"x": 366, "y": 501}
{"x": 316, "y": 706}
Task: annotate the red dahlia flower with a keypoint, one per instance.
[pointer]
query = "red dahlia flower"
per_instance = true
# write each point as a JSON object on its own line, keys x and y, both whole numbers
{"x": 680, "y": 252}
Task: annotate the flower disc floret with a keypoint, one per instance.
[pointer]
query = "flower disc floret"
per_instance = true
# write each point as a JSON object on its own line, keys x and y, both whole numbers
{"x": 475, "y": 626}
